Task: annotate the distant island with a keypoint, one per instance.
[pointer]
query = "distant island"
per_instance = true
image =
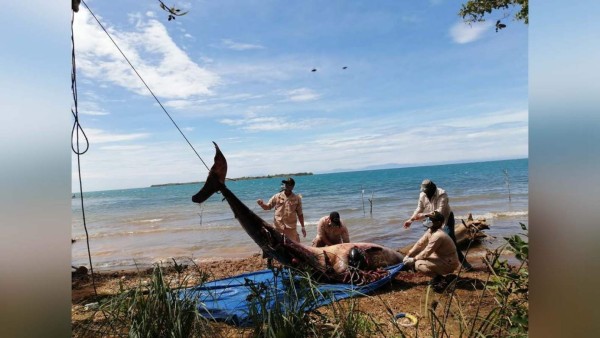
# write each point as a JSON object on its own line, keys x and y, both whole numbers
{"x": 236, "y": 179}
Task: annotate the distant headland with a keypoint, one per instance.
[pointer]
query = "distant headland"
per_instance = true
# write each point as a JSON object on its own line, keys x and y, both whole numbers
{"x": 238, "y": 179}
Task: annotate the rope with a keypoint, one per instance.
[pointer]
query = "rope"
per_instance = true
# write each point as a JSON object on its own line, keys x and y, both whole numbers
{"x": 77, "y": 129}
{"x": 145, "y": 84}
{"x": 75, "y": 147}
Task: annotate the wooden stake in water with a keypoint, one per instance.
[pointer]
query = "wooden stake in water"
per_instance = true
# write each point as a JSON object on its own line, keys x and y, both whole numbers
{"x": 371, "y": 202}
{"x": 362, "y": 197}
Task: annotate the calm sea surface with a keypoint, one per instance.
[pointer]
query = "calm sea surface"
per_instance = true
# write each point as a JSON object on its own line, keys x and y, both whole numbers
{"x": 147, "y": 225}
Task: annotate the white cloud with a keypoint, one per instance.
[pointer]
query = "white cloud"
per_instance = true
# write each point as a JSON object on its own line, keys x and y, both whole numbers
{"x": 93, "y": 112}
{"x": 124, "y": 147}
{"x": 302, "y": 94}
{"x": 253, "y": 123}
{"x": 164, "y": 66}
{"x": 230, "y": 44}
{"x": 101, "y": 136}
{"x": 489, "y": 119}
{"x": 464, "y": 33}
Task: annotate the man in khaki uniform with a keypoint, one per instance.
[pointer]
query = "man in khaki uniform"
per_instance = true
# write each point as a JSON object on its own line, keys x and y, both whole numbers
{"x": 433, "y": 199}
{"x": 330, "y": 231}
{"x": 434, "y": 254}
{"x": 288, "y": 210}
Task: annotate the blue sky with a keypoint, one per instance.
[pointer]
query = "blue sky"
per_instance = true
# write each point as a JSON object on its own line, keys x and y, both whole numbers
{"x": 420, "y": 87}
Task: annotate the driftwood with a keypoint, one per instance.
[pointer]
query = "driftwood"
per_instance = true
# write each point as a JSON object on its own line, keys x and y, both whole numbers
{"x": 469, "y": 231}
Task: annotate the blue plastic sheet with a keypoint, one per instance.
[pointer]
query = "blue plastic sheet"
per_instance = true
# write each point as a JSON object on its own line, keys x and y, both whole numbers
{"x": 233, "y": 300}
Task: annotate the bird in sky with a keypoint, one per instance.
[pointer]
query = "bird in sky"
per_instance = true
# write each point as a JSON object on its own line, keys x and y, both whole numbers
{"x": 344, "y": 67}
{"x": 499, "y": 25}
{"x": 314, "y": 70}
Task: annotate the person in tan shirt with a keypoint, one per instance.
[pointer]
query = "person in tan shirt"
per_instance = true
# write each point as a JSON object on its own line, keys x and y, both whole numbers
{"x": 434, "y": 254}
{"x": 330, "y": 231}
{"x": 432, "y": 198}
{"x": 288, "y": 210}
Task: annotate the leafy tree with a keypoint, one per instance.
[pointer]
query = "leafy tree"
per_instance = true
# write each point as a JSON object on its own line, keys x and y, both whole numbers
{"x": 475, "y": 10}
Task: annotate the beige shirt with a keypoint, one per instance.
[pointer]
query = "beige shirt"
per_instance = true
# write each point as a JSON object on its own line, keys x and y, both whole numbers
{"x": 331, "y": 234}
{"x": 435, "y": 245}
{"x": 439, "y": 202}
{"x": 287, "y": 210}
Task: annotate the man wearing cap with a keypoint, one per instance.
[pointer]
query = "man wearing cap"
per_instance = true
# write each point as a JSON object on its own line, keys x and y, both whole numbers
{"x": 433, "y": 199}
{"x": 288, "y": 210}
{"x": 435, "y": 253}
{"x": 330, "y": 231}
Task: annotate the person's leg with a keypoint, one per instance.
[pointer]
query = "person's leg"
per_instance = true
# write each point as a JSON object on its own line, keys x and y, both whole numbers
{"x": 292, "y": 234}
{"x": 429, "y": 268}
{"x": 449, "y": 229}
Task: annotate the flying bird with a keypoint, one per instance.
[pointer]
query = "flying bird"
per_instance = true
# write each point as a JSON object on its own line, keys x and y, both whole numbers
{"x": 314, "y": 70}
{"x": 344, "y": 67}
{"x": 499, "y": 25}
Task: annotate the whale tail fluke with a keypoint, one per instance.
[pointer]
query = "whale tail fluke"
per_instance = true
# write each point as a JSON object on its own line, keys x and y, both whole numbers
{"x": 215, "y": 180}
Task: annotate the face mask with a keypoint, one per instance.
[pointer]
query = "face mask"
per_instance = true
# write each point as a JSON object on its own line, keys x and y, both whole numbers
{"x": 430, "y": 191}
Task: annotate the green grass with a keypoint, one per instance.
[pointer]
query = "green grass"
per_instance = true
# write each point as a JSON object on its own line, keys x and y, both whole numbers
{"x": 153, "y": 309}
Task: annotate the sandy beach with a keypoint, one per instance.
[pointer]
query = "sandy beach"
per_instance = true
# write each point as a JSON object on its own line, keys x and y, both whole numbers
{"x": 406, "y": 293}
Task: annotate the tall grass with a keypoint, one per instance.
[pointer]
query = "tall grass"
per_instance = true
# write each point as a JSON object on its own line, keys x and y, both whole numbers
{"x": 155, "y": 308}
{"x": 509, "y": 287}
{"x": 151, "y": 309}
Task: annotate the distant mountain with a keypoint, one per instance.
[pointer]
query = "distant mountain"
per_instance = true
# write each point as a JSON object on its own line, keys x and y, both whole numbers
{"x": 238, "y": 179}
{"x": 399, "y": 165}
{"x": 370, "y": 167}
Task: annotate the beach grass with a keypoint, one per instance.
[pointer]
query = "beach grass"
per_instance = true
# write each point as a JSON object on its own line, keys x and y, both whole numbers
{"x": 493, "y": 303}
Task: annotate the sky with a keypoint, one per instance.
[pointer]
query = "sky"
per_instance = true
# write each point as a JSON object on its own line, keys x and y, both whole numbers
{"x": 419, "y": 87}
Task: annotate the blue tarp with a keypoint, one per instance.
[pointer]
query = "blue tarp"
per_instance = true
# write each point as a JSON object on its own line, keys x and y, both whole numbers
{"x": 233, "y": 300}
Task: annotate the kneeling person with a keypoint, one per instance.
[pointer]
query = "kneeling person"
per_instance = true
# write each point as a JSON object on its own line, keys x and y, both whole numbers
{"x": 434, "y": 254}
{"x": 330, "y": 231}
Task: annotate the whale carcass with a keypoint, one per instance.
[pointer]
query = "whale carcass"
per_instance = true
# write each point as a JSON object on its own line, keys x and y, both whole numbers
{"x": 357, "y": 263}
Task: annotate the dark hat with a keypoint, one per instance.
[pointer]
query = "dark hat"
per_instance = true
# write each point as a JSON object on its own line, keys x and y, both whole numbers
{"x": 425, "y": 184}
{"x": 334, "y": 217}
{"x": 437, "y": 217}
{"x": 289, "y": 181}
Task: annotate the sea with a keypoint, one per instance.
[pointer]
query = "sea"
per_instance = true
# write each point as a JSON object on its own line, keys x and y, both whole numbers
{"x": 132, "y": 228}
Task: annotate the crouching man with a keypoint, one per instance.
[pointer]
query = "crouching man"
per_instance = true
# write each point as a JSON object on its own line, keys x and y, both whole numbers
{"x": 330, "y": 231}
{"x": 434, "y": 254}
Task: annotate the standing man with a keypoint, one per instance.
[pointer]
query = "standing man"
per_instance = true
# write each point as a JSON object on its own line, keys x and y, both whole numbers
{"x": 288, "y": 210}
{"x": 433, "y": 199}
{"x": 330, "y": 231}
{"x": 434, "y": 254}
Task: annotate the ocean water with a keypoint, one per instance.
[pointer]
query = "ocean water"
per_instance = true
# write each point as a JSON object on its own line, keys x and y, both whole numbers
{"x": 142, "y": 226}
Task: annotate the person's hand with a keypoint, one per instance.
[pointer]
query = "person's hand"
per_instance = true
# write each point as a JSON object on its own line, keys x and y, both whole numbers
{"x": 304, "y": 232}
{"x": 260, "y": 202}
{"x": 408, "y": 260}
{"x": 407, "y": 224}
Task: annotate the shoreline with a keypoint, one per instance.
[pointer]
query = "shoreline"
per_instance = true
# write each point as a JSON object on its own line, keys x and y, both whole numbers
{"x": 405, "y": 293}
{"x": 475, "y": 253}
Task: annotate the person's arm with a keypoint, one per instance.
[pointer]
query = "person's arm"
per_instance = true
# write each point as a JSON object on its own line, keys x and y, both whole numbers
{"x": 267, "y": 206}
{"x": 417, "y": 213}
{"x": 301, "y": 219}
{"x": 421, "y": 243}
{"x": 345, "y": 234}
{"x": 431, "y": 247}
{"x": 321, "y": 234}
{"x": 301, "y": 216}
